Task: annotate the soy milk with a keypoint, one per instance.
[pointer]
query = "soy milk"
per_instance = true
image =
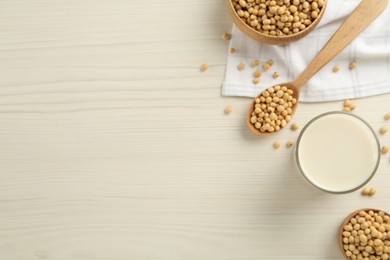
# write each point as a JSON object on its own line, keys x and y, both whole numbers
{"x": 337, "y": 152}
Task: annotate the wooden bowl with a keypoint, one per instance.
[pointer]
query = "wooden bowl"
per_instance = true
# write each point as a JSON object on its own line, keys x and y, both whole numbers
{"x": 269, "y": 39}
{"x": 345, "y": 222}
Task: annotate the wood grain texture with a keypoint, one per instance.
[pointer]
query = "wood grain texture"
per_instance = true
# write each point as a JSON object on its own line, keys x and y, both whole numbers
{"x": 115, "y": 146}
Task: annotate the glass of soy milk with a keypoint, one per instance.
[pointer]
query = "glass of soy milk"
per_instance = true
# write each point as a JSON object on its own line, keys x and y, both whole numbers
{"x": 337, "y": 152}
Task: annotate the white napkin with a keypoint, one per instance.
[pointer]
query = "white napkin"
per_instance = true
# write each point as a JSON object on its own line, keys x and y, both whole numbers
{"x": 371, "y": 51}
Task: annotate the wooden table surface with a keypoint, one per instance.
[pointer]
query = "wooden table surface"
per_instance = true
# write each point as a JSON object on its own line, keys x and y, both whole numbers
{"x": 115, "y": 146}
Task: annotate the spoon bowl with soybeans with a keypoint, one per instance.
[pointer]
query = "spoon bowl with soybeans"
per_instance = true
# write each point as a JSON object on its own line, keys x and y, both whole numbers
{"x": 273, "y": 108}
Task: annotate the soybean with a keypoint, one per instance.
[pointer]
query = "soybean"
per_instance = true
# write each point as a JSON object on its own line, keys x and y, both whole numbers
{"x": 294, "y": 126}
{"x": 226, "y": 36}
{"x": 255, "y": 63}
{"x": 257, "y": 73}
{"x": 383, "y": 130}
{"x": 385, "y": 149}
{"x": 365, "y": 191}
{"x": 241, "y": 66}
{"x": 204, "y": 67}
{"x": 228, "y": 109}
{"x": 387, "y": 116}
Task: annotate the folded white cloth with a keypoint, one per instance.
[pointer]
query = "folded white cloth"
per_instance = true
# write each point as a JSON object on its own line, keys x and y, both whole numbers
{"x": 371, "y": 51}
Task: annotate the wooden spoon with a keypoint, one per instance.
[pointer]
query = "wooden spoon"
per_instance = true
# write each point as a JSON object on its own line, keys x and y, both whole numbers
{"x": 365, "y": 13}
{"x": 345, "y": 222}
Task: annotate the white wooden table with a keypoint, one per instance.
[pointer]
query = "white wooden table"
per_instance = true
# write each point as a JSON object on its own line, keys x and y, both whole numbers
{"x": 114, "y": 146}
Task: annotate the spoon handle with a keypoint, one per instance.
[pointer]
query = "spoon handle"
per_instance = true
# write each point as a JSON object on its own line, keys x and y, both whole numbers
{"x": 365, "y": 13}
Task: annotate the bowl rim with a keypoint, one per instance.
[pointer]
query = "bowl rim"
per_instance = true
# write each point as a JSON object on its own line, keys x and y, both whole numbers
{"x": 302, "y": 172}
{"x": 275, "y": 37}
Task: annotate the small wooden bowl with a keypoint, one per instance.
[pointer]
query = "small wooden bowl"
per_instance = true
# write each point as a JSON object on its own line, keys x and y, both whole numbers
{"x": 269, "y": 39}
{"x": 345, "y": 222}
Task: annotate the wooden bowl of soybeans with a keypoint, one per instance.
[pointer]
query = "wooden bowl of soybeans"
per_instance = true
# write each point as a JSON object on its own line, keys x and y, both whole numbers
{"x": 365, "y": 234}
{"x": 276, "y": 22}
